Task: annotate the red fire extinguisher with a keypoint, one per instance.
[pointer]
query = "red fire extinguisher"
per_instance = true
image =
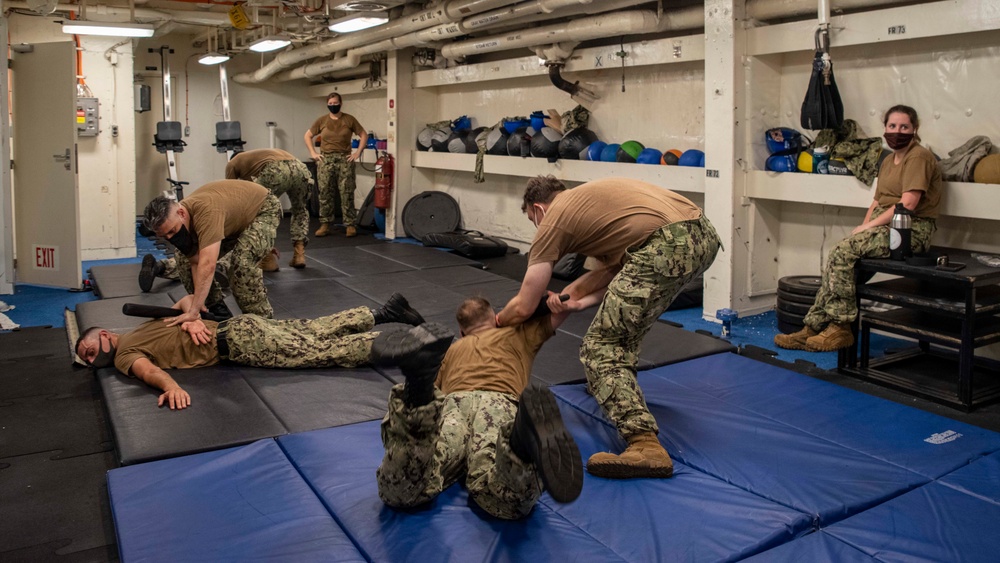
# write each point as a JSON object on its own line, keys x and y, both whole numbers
{"x": 383, "y": 181}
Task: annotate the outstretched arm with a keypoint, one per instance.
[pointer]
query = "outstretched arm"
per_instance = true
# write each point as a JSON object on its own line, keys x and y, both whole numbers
{"x": 173, "y": 396}
{"x": 533, "y": 288}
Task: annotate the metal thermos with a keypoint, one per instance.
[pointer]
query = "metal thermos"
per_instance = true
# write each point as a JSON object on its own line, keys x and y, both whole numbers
{"x": 899, "y": 233}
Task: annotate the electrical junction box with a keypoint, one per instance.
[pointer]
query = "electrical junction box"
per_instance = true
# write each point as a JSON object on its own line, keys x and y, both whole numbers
{"x": 87, "y": 117}
{"x": 142, "y": 93}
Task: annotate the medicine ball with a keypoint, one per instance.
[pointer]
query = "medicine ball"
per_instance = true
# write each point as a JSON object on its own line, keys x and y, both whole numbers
{"x": 439, "y": 140}
{"x": 471, "y": 146}
{"x": 781, "y": 163}
{"x": 595, "y": 149}
{"x": 574, "y": 145}
{"x": 670, "y": 157}
{"x": 519, "y": 142}
{"x": 610, "y": 153}
{"x": 987, "y": 170}
{"x": 692, "y": 157}
{"x": 546, "y": 143}
{"x": 629, "y": 151}
{"x": 456, "y": 141}
{"x": 649, "y": 156}
{"x": 496, "y": 141}
{"x": 424, "y": 138}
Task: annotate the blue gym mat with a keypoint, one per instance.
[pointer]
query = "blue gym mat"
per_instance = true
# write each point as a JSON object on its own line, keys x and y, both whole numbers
{"x": 768, "y": 463}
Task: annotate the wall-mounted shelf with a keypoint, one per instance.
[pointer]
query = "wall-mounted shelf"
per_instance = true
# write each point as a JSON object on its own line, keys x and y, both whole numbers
{"x": 677, "y": 178}
{"x": 960, "y": 199}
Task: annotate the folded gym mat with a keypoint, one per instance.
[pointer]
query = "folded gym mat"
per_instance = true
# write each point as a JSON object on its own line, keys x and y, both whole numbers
{"x": 122, "y": 280}
{"x": 239, "y": 504}
{"x": 107, "y": 313}
{"x": 309, "y": 399}
{"x": 418, "y": 257}
{"x": 225, "y": 411}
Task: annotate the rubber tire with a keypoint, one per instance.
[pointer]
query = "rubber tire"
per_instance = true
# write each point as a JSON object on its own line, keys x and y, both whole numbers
{"x": 792, "y": 307}
{"x": 803, "y": 285}
{"x": 790, "y": 318}
{"x": 790, "y": 297}
{"x": 787, "y": 328}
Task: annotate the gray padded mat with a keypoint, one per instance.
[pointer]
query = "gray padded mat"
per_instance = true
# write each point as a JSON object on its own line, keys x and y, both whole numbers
{"x": 418, "y": 257}
{"x": 426, "y": 298}
{"x": 354, "y": 262}
{"x": 107, "y": 313}
{"x": 122, "y": 280}
{"x": 225, "y": 411}
{"x": 312, "y": 299}
{"x": 314, "y": 270}
{"x": 310, "y": 399}
{"x": 458, "y": 276}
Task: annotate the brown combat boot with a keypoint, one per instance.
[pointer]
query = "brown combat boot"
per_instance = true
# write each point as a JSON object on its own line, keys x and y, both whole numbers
{"x": 323, "y": 230}
{"x": 351, "y": 231}
{"x": 269, "y": 263}
{"x": 834, "y": 337}
{"x": 795, "y": 340}
{"x": 299, "y": 257}
{"x": 644, "y": 458}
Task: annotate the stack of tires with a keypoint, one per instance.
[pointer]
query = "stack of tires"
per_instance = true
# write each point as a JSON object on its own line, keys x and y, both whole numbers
{"x": 796, "y": 294}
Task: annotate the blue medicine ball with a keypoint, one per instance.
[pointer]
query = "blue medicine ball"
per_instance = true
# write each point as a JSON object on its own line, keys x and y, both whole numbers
{"x": 594, "y": 150}
{"x": 692, "y": 157}
{"x": 610, "y": 153}
{"x": 649, "y": 156}
{"x": 782, "y": 163}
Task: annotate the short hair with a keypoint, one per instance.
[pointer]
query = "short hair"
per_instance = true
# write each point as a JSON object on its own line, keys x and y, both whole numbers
{"x": 908, "y": 112}
{"x": 87, "y": 335}
{"x": 473, "y": 311}
{"x": 541, "y": 189}
{"x": 335, "y": 95}
{"x": 157, "y": 212}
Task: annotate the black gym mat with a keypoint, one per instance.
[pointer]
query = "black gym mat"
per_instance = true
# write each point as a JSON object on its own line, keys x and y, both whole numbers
{"x": 559, "y": 361}
{"x": 418, "y": 257}
{"x": 310, "y": 399}
{"x": 225, "y": 411}
{"x": 63, "y": 427}
{"x": 354, "y": 262}
{"x": 459, "y": 276}
{"x": 313, "y": 299}
{"x": 122, "y": 280}
{"x": 107, "y": 313}
{"x": 32, "y": 341}
{"x": 45, "y": 376}
{"x": 314, "y": 270}
{"x": 428, "y": 299}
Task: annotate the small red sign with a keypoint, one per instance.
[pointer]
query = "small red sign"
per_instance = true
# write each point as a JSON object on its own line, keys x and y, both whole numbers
{"x": 392, "y": 103}
{"x": 46, "y": 257}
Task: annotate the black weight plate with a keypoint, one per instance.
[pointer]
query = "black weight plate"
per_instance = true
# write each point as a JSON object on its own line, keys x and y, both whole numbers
{"x": 793, "y": 307}
{"x": 803, "y": 285}
{"x": 430, "y": 212}
{"x": 788, "y": 328}
{"x": 789, "y": 318}
{"x": 796, "y": 297}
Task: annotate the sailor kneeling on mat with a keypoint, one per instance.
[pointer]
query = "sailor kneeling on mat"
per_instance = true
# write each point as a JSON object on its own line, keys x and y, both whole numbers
{"x": 338, "y": 340}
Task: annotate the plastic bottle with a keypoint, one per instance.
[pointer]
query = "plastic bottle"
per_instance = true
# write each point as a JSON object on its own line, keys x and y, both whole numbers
{"x": 899, "y": 233}
{"x": 821, "y": 160}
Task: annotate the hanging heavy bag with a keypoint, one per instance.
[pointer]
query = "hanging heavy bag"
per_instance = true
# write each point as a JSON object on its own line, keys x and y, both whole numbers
{"x": 471, "y": 244}
{"x": 822, "y": 107}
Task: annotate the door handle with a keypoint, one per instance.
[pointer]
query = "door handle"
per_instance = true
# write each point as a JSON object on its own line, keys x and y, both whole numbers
{"x": 66, "y": 159}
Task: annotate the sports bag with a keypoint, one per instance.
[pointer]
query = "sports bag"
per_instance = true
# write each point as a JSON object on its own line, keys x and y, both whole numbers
{"x": 471, "y": 244}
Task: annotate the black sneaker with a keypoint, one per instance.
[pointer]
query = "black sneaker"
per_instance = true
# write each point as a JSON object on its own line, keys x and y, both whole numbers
{"x": 397, "y": 310}
{"x": 539, "y": 437}
{"x": 147, "y": 273}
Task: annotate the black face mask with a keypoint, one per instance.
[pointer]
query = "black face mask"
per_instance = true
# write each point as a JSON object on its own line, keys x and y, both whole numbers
{"x": 335, "y": 108}
{"x": 104, "y": 359}
{"x": 898, "y": 141}
{"x": 184, "y": 242}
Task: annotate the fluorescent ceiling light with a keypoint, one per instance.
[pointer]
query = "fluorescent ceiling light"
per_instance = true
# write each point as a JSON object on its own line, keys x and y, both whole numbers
{"x": 358, "y": 21}
{"x": 80, "y": 27}
{"x": 213, "y": 58}
{"x": 270, "y": 43}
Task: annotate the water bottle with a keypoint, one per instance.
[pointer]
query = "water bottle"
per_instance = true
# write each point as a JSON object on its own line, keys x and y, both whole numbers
{"x": 821, "y": 160}
{"x": 899, "y": 233}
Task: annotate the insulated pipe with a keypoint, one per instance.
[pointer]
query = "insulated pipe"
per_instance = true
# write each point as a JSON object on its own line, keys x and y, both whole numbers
{"x": 201, "y": 18}
{"x": 449, "y": 12}
{"x": 765, "y": 10}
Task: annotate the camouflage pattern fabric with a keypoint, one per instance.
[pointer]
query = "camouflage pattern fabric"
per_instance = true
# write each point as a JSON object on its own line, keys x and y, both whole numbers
{"x": 335, "y": 170}
{"x": 861, "y": 156}
{"x": 338, "y": 340}
{"x": 479, "y": 176}
{"x": 429, "y": 448}
{"x": 835, "y": 300}
{"x": 245, "y": 276}
{"x": 576, "y": 117}
{"x": 653, "y": 275}
{"x": 291, "y": 177}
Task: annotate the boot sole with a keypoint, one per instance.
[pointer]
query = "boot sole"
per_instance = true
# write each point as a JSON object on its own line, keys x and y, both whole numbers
{"x": 391, "y": 346}
{"x": 146, "y": 275}
{"x": 793, "y": 347}
{"x": 408, "y": 314}
{"x": 827, "y": 348}
{"x": 622, "y": 470}
{"x": 552, "y": 449}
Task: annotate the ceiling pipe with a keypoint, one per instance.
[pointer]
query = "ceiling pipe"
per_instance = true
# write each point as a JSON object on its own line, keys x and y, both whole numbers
{"x": 114, "y": 13}
{"x": 765, "y": 10}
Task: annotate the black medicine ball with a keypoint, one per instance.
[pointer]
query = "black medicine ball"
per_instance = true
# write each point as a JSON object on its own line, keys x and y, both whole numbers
{"x": 456, "y": 141}
{"x": 424, "y": 138}
{"x": 519, "y": 142}
{"x": 439, "y": 140}
{"x": 574, "y": 145}
{"x": 545, "y": 144}
{"x": 471, "y": 146}
{"x": 496, "y": 141}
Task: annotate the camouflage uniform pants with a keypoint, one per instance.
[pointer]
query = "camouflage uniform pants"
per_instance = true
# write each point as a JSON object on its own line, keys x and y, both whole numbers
{"x": 338, "y": 340}
{"x": 653, "y": 274}
{"x": 171, "y": 272}
{"x": 429, "y": 448}
{"x": 836, "y": 301}
{"x": 245, "y": 276}
{"x": 291, "y": 177}
{"x": 335, "y": 170}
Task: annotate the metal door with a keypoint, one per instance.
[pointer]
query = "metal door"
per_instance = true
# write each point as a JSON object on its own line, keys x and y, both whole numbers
{"x": 46, "y": 197}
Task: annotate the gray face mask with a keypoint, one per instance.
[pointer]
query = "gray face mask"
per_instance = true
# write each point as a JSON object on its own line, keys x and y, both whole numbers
{"x": 184, "y": 242}
{"x": 104, "y": 359}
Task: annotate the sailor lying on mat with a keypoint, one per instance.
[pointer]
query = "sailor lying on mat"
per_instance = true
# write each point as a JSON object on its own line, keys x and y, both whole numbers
{"x": 466, "y": 411}
{"x": 338, "y": 340}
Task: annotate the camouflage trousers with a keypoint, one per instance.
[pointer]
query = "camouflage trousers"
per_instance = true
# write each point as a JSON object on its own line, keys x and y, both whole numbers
{"x": 245, "y": 276}
{"x": 291, "y": 177}
{"x": 171, "y": 272}
{"x": 338, "y": 340}
{"x": 653, "y": 275}
{"x": 335, "y": 170}
{"x": 428, "y": 448}
{"x": 836, "y": 301}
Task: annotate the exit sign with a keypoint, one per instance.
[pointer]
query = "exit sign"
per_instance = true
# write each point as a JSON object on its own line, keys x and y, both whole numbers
{"x": 46, "y": 257}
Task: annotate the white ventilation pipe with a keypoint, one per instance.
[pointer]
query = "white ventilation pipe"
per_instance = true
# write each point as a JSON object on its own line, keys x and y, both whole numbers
{"x": 116, "y": 14}
{"x": 765, "y": 10}
{"x": 448, "y": 12}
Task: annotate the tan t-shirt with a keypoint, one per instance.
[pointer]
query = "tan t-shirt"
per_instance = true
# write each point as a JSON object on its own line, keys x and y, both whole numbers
{"x": 168, "y": 347}
{"x": 604, "y": 218}
{"x": 497, "y": 359}
{"x": 247, "y": 165}
{"x": 221, "y": 210}
{"x": 918, "y": 172}
{"x": 336, "y": 133}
